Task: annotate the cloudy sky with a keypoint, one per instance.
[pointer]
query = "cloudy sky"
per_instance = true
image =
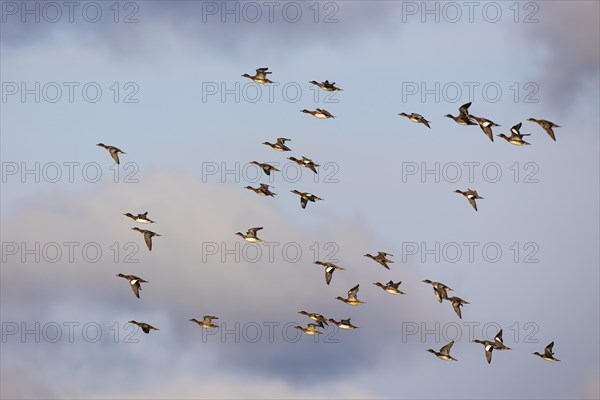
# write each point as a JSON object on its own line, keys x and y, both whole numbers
{"x": 162, "y": 81}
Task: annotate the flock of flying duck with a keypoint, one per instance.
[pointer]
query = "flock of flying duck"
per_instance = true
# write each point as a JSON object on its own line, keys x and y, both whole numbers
{"x": 440, "y": 290}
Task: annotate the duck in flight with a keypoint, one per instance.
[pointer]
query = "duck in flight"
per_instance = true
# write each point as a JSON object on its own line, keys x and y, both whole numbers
{"x": 327, "y": 86}
{"x": 267, "y": 168}
{"x": 250, "y": 235}
{"x": 306, "y": 163}
{"x": 320, "y": 113}
{"x": 311, "y": 329}
{"x": 499, "y": 343}
{"x": 330, "y": 268}
{"x": 343, "y": 324}
{"x": 457, "y": 303}
{"x": 260, "y": 77}
{"x": 516, "y": 137}
{"x": 262, "y": 190}
{"x": 148, "y": 235}
{"x": 439, "y": 289}
{"x": 548, "y": 353}
{"x": 488, "y": 346}
{"x": 390, "y": 287}
{"x": 547, "y": 125}
{"x": 141, "y": 218}
{"x": 463, "y": 115}
{"x": 206, "y": 321}
{"x": 485, "y": 125}
{"x": 381, "y": 258}
{"x": 471, "y": 195}
{"x": 320, "y": 320}
{"x": 352, "y": 299}
{"x": 306, "y": 197}
{"x": 279, "y": 145}
{"x": 134, "y": 282}
{"x": 414, "y": 117}
{"x": 444, "y": 353}
{"x": 145, "y": 327}
{"x": 114, "y": 151}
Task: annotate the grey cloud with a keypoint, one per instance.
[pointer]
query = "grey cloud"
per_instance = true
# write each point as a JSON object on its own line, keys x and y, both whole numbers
{"x": 167, "y": 22}
{"x": 570, "y": 33}
{"x": 181, "y": 286}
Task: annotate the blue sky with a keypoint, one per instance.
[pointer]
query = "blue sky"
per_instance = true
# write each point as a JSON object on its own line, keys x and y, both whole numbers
{"x": 177, "y": 133}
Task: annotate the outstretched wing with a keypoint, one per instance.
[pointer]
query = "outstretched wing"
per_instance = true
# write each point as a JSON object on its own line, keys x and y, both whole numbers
{"x": 472, "y": 202}
{"x": 464, "y": 109}
{"x": 303, "y": 202}
{"x": 136, "y": 289}
{"x": 498, "y": 337}
{"x": 352, "y": 292}
{"x": 438, "y": 294}
{"x": 550, "y": 132}
{"x": 488, "y": 352}
{"x": 148, "y": 239}
{"x": 446, "y": 349}
{"x": 115, "y": 156}
{"x": 328, "y": 274}
{"x": 488, "y": 131}
{"x": 515, "y": 129}
{"x": 548, "y": 349}
{"x": 456, "y": 306}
